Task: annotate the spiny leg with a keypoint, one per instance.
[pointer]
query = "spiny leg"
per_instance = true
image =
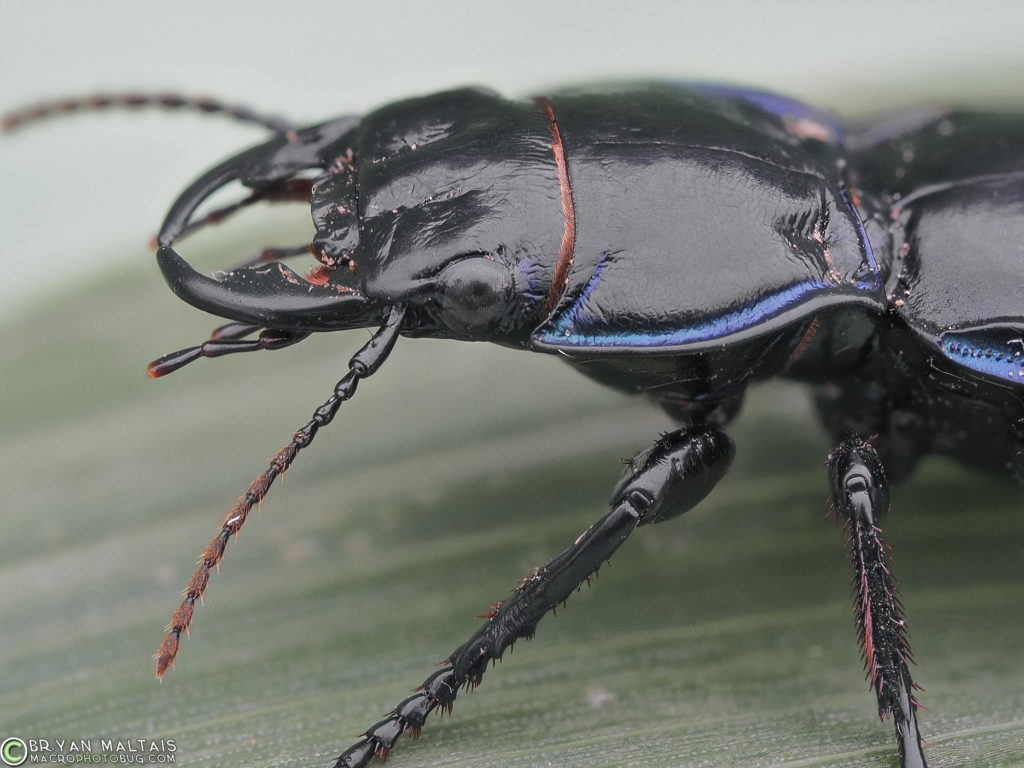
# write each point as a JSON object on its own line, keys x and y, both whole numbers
{"x": 860, "y": 492}
{"x": 363, "y": 364}
{"x": 665, "y": 480}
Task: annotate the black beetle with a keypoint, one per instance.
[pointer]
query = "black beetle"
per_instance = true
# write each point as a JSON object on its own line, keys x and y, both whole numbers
{"x": 681, "y": 241}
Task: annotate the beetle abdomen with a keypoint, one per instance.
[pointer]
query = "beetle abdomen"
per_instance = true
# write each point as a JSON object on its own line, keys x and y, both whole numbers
{"x": 954, "y": 184}
{"x": 961, "y": 282}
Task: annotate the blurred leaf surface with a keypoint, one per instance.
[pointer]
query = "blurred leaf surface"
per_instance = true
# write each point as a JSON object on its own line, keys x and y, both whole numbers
{"x": 723, "y": 638}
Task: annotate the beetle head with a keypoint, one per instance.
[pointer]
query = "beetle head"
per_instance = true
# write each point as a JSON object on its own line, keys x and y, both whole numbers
{"x": 270, "y": 295}
{"x": 447, "y": 205}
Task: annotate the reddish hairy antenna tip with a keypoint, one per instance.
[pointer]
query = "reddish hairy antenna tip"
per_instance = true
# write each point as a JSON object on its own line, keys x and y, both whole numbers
{"x": 162, "y": 665}
{"x": 165, "y": 656}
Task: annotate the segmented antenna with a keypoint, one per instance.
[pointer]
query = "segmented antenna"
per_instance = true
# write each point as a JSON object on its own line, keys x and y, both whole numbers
{"x": 362, "y": 365}
{"x": 33, "y": 113}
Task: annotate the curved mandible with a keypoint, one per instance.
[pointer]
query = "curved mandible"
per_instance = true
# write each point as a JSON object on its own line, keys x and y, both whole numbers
{"x": 180, "y": 214}
{"x": 271, "y": 295}
{"x": 272, "y": 162}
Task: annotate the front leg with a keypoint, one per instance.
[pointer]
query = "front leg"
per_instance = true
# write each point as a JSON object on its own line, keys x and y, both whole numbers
{"x": 860, "y": 492}
{"x": 665, "y": 480}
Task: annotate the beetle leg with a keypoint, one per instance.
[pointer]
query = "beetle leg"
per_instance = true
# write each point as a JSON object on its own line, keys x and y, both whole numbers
{"x": 860, "y": 492}
{"x": 667, "y": 479}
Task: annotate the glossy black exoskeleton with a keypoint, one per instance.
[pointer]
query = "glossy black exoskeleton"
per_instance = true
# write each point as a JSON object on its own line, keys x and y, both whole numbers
{"x": 680, "y": 241}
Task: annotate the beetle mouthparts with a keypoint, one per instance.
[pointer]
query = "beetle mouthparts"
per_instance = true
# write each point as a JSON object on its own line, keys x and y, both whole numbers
{"x": 270, "y": 296}
{"x": 272, "y": 165}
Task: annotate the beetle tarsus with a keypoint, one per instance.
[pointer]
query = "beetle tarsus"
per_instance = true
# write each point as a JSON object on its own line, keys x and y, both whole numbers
{"x": 860, "y": 493}
{"x": 663, "y": 481}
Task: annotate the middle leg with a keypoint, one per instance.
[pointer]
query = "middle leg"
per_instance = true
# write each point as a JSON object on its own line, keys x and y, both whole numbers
{"x": 860, "y": 493}
{"x": 667, "y": 479}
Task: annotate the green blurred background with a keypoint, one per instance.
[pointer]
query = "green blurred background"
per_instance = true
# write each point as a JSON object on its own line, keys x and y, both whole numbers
{"x": 722, "y": 639}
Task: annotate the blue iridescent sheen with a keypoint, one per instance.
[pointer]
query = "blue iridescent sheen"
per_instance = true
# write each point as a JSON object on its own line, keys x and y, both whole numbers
{"x": 991, "y": 351}
{"x": 564, "y": 330}
{"x": 782, "y": 106}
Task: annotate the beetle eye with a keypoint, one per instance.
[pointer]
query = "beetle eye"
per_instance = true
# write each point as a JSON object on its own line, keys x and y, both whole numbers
{"x": 474, "y": 294}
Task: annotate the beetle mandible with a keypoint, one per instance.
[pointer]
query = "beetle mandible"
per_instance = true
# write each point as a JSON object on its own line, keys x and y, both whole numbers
{"x": 678, "y": 240}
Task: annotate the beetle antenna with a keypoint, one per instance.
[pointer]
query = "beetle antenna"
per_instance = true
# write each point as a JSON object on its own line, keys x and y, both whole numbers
{"x": 43, "y": 110}
{"x": 363, "y": 364}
